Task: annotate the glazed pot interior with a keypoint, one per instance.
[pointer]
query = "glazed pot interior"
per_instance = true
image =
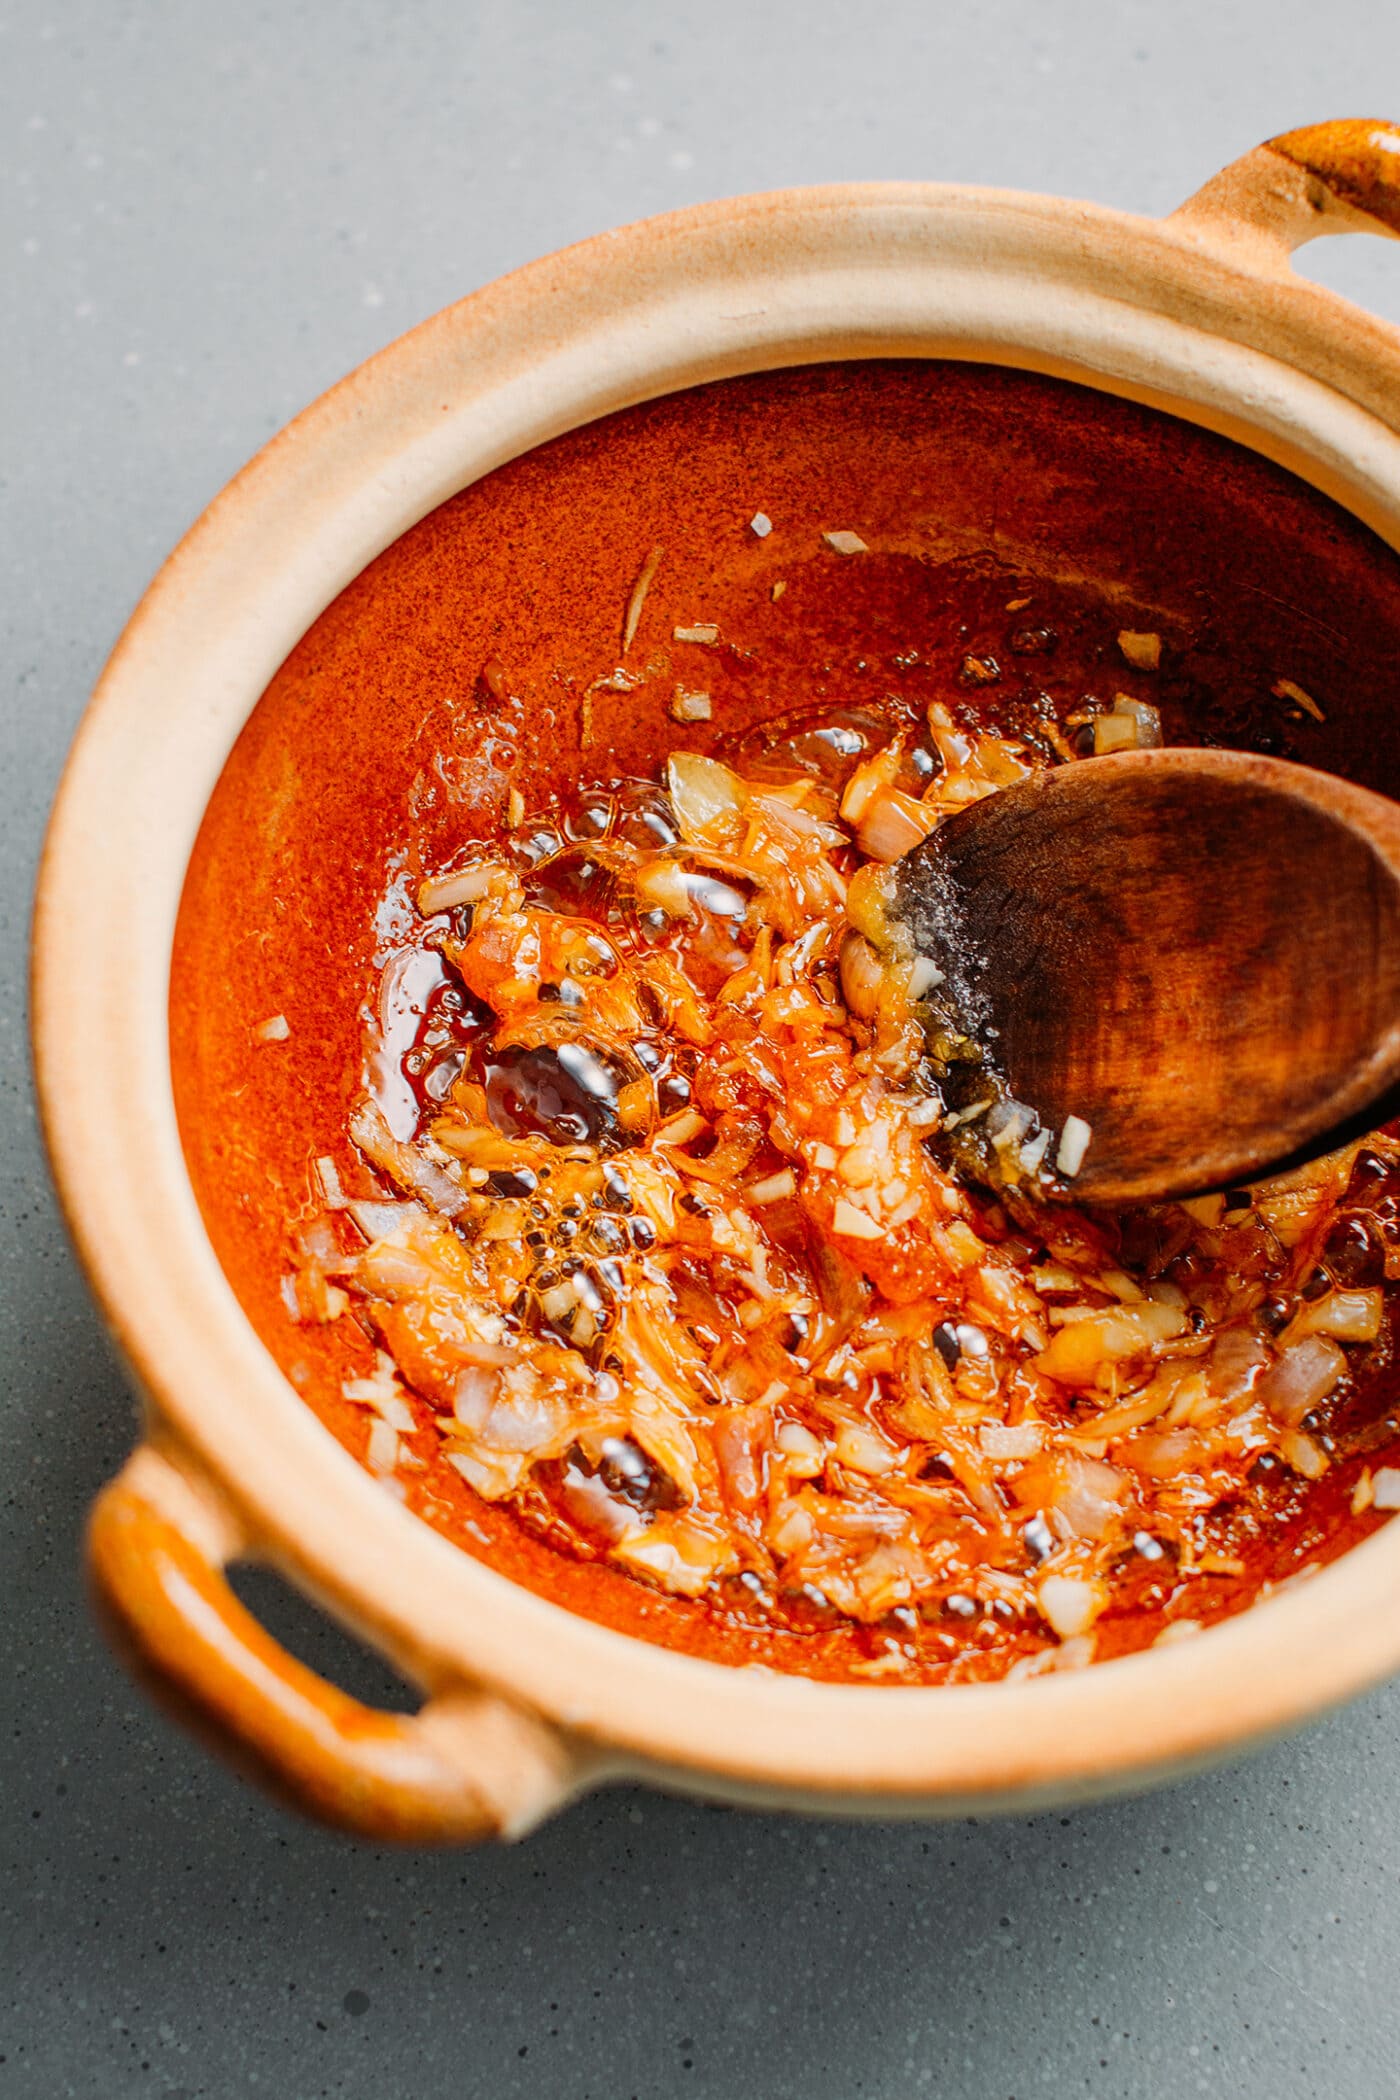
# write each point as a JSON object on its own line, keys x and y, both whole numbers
{"x": 362, "y": 766}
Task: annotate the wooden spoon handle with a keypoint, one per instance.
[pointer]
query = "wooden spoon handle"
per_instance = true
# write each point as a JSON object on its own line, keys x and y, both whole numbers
{"x": 1353, "y": 161}
{"x": 468, "y": 1765}
{"x": 1340, "y": 177}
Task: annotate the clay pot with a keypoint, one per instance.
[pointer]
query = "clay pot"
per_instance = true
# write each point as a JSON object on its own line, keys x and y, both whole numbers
{"x": 527, "y": 1698}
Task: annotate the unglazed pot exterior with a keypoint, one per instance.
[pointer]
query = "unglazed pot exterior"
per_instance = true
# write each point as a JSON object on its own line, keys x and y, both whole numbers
{"x": 526, "y": 1703}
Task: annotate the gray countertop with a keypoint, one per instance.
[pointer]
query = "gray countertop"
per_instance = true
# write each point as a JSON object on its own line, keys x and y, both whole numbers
{"x": 208, "y": 214}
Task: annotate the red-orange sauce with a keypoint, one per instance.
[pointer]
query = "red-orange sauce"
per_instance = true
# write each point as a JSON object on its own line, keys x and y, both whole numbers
{"x": 478, "y": 656}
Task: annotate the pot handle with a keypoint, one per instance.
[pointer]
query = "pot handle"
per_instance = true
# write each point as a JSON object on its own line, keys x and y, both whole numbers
{"x": 467, "y": 1765}
{"x": 1342, "y": 177}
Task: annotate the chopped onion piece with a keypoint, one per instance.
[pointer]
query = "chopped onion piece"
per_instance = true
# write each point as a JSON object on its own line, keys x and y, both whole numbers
{"x": 690, "y": 707}
{"x": 1178, "y": 1630}
{"x": 862, "y": 974}
{"x": 703, "y": 794}
{"x": 893, "y": 823}
{"x": 665, "y": 883}
{"x": 328, "y": 1174}
{"x": 863, "y": 1451}
{"x": 1009, "y": 1125}
{"x": 1105, "y": 1336}
{"x": 378, "y": 1220}
{"x": 804, "y": 1452}
{"x": 1070, "y": 1604}
{"x": 1385, "y": 1488}
{"x": 1173, "y": 1451}
{"x": 1114, "y": 732}
{"x": 639, "y": 595}
{"x": 702, "y": 631}
{"x": 1302, "y": 1453}
{"x": 1236, "y": 1362}
{"x": 760, "y": 524}
{"x": 1353, "y": 1316}
{"x": 845, "y": 543}
{"x": 773, "y": 1188}
{"x": 872, "y": 774}
{"x": 1305, "y": 1374}
{"x": 855, "y": 1224}
{"x": 275, "y": 1029}
{"x": 465, "y": 886}
{"x": 1142, "y": 651}
{"x": 382, "y": 1450}
{"x": 1054, "y": 1276}
{"x": 1147, "y": 722}
{"x": 925, "y": 1114}
{"x": 406, "y": 1164}
{"x": 319, "y": 1241}
{"x": 390, "y": 1405}
{"x": 1074, "y": 1143}
{"x": 677, "y": 1553}
{"x": 620, "y": 680}
{"x": 680, "y": 1129}
{"x": 1034, "y": 1150}
{"x": 998, "y": 1440}
{"x": 1131, "y": 726}
{"x": 1089, "y": 1497}
{"x": 1285, "y": 689}
{"x": 474, "y": 1396}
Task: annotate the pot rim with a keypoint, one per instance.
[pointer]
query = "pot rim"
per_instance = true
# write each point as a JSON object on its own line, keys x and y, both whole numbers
{"x": 1181, "y": 314}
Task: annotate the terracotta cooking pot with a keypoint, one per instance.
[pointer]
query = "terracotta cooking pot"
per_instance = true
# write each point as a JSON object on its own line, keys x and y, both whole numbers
{"x": 527, "y": 1702}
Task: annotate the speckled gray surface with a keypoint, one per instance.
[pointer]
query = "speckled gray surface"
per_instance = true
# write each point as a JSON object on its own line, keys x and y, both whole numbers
{"x": 209, "y": 213}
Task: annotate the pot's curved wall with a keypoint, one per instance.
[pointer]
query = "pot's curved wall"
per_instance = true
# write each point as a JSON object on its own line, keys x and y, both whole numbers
{"x": 971, "y": 485}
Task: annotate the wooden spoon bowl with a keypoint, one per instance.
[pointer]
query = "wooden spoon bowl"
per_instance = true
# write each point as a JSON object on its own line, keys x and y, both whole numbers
{"x": 1195, "y": 951}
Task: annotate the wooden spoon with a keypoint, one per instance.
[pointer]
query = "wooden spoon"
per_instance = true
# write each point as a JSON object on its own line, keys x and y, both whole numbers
{"x": 1196, "y": 952}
